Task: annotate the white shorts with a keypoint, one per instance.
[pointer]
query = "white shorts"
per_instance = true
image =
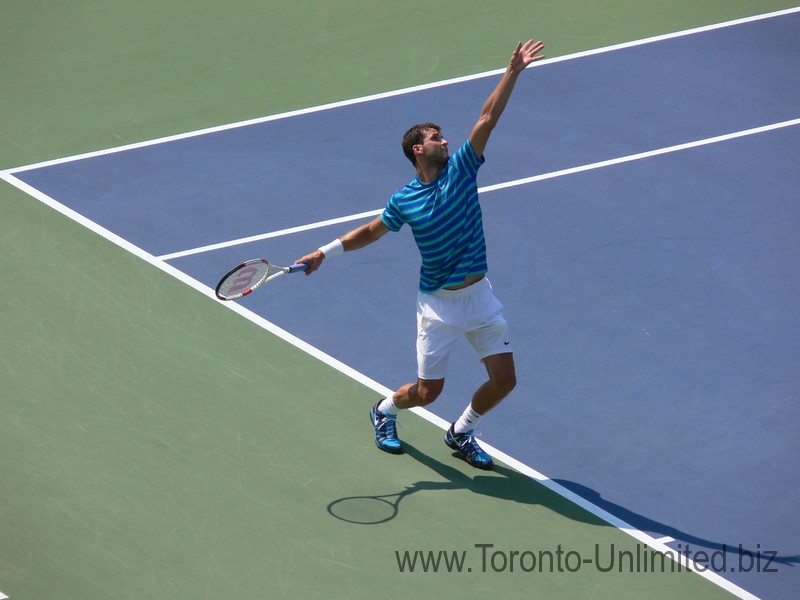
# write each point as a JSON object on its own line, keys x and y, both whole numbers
{"x": 446, "y": 316}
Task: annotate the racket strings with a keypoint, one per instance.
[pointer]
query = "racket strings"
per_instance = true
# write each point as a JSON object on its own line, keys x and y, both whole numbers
{"x": 244, "y": 278}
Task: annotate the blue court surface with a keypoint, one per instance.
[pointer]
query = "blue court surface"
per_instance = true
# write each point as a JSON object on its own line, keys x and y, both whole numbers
{"x": 642, "y": 213}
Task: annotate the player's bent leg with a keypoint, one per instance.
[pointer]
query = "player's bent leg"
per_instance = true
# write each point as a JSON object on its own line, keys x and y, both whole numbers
{"x": 421, "y": 393}
{"x": 502, "y": 381}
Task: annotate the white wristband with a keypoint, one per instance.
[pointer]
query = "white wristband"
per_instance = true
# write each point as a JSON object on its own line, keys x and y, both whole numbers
{"x": 332, "y": 249}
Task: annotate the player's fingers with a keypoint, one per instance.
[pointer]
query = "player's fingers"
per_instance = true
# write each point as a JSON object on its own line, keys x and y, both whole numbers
{"x": 313, "y": 265}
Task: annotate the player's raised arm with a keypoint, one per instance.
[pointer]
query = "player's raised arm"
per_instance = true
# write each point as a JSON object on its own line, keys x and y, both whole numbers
{"x": 352, "y": 240}
{"x": 494, "y": 106}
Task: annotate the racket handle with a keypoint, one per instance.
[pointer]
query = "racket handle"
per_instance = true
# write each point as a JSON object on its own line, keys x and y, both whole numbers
{"x": 298, "y": 267}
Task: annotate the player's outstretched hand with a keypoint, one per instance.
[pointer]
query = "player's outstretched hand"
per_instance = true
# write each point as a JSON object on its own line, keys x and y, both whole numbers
{"x": 524, "y": 55}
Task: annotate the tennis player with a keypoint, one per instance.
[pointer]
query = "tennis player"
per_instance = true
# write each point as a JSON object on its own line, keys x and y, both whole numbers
{"x": 455, "y": 297}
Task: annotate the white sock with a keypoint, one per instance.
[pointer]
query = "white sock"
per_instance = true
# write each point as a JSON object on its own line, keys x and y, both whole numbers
{"x": 467, "y": 421}
{"x": 388, "y": 407}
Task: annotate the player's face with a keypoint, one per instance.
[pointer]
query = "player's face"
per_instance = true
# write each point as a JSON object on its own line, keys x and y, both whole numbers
{"x": 434, "y": 147}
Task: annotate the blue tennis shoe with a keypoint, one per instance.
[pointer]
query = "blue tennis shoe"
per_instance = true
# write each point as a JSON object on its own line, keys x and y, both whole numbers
{"x": 465, "y": 444}
{"x": 385, "y": 431}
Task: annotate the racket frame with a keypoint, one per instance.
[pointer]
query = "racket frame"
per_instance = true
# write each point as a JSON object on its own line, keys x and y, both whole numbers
{"x": 272, "y": 272}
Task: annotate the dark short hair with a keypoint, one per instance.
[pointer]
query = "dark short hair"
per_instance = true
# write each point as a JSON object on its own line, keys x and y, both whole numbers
{"x": 414, "y": 136}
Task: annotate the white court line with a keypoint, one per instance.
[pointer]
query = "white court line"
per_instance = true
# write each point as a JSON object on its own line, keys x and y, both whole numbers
{"x": 658, "y": 545}
{"x": 641, "y": 155}
{"x": 492, "y": 188}
{"x": 400, "y": 92}
{"x": 271, "y": 234}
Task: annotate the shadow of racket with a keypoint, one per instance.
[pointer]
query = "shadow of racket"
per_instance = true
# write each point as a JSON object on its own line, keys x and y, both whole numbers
{"x": 372, "y": 510}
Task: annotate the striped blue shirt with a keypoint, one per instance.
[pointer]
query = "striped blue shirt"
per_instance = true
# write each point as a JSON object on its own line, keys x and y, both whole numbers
{"x": 445, "y": 218}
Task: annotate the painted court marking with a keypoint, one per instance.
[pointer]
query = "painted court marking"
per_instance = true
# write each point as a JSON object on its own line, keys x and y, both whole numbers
{"x": 160, "y": 262}
{"x": 491, "y": 188}
{"x": 393, "y": 93}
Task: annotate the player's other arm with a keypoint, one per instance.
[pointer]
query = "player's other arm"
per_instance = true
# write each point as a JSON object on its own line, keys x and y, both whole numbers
{"x": 352, "y": 240}
{"x": 495, "y": 104}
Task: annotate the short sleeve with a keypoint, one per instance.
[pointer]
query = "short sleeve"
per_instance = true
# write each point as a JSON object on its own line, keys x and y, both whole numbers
{"x": 391, "y": 217}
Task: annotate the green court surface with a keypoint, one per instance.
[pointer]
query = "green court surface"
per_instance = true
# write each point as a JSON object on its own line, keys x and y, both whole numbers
{"x": 153, "y": 443}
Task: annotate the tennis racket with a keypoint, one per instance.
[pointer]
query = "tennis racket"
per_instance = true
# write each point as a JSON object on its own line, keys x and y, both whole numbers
{"x": 251, "y": 275}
